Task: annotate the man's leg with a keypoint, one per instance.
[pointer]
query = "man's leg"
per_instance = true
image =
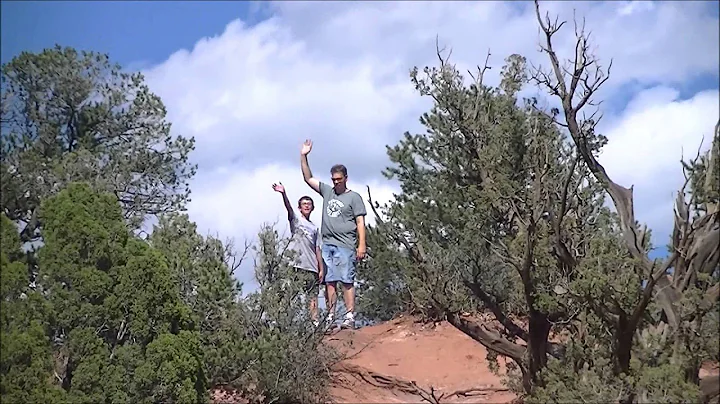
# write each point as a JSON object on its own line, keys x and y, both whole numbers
{"x": 349, "y": 296}
{"x": 347, "y": 278}
{"x": 329, "y": 256}
{"x": 331, "y": 298}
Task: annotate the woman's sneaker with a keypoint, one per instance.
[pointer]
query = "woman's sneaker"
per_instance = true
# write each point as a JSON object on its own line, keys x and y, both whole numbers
{"x": 348, "y": 322}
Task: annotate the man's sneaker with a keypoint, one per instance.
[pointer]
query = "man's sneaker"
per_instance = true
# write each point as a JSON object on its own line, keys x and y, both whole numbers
{"x": 348, "y": 321}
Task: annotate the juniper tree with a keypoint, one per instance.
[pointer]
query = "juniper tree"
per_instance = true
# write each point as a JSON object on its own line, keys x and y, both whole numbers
{"x": 486, "y": 193}
{"x": 112, "y": 325}
{"x": 203, "y": 268}
{"x": 500, "y": 211}
{"x": 26, "y": 361}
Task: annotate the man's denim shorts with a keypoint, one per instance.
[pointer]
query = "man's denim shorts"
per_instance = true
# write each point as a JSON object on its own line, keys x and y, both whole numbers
{"x": 339, "y": 263}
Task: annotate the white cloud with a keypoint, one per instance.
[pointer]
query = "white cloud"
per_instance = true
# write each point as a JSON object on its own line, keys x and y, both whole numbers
{"x": 635, "y": 6}
{"x": 647, "y": 143}
{"x": 644, "y": 44}
{"x": 649, "y": 140}
{"x": 338, "y": 73}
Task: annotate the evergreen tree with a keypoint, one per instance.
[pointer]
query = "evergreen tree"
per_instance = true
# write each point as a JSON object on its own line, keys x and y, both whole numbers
{"x": 75, "y": 116}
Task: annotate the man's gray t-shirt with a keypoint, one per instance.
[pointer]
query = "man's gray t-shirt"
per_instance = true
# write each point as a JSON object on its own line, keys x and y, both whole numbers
{"x": 338, "y": 216}
{"x": 303, "y": 242}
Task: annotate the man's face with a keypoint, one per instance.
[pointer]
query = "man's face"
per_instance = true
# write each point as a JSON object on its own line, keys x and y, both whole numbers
{"x": 306, "y": 207}
{"x": 339, "y": 181}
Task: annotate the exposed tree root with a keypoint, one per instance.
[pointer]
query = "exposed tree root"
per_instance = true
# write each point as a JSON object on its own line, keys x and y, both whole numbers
{"x": 410, "y": 387}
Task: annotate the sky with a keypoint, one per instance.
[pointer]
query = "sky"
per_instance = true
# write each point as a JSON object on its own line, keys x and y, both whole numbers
{"x": 251, "y": 82}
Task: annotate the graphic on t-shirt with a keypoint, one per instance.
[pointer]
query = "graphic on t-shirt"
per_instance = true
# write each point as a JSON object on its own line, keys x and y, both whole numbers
{"x": 304, "y": 243}
{"x": 334, "y": 207}
{"x": 302, "y": 230}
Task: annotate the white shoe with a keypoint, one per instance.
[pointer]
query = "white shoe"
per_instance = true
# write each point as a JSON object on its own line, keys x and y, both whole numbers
{"x": 330, "y": 319}
{"x": 348, "y": 321}
{"x": 329, "y": 324}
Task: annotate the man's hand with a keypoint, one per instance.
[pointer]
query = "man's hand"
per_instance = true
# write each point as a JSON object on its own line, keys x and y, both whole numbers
{"x": 360, "y": 252}
{"x": 306, "y": 147}
{"x": 279, "y": 187}
{"x": 321, "y": 275}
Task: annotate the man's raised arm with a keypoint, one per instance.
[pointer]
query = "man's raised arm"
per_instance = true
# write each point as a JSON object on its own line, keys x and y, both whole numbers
{"x": 305, "y": 167}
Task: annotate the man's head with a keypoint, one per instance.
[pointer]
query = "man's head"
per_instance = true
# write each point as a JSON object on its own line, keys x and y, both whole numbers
{"x": 306, "y": 206}
{"x": 338, "y": 173}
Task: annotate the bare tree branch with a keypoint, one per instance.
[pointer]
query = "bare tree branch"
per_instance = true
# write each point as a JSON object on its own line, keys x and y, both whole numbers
{"x": 513, "y": 329}
{"x": 622, "y": 197}
{"x": 490, "y": 339}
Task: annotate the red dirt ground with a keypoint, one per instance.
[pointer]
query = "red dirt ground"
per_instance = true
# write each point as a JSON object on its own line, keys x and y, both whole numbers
{"x": 386, "y": 358}
{"x": 401, "y": 360}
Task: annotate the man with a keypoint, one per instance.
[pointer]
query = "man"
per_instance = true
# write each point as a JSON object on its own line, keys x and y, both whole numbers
{"x": 343, "y": 234}
{"x": 308, "y": 260}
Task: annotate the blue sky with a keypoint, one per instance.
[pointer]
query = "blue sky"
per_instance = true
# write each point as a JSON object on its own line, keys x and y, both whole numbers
{"x": 338, "y": 73}
{"x": 139, "y": 34}
{"x": 132, "y": 32}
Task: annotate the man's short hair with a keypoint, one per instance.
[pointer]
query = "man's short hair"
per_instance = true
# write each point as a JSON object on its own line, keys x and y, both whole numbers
{"x": 305, "y": 198}
{"x": 339, "y": 168}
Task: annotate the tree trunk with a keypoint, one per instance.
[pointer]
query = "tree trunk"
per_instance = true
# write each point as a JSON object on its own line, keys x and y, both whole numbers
{"x": 539, "y": 331}
{"x": 526, "y": 380}
{"x": 692, "y": 372}
{"x": 622, "y": 345}
{"x": 623, "y": 350}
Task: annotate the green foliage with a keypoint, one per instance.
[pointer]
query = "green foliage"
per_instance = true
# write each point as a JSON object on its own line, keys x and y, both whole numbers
{"x": 97, "y": 314}
{"x": 113, "y": 318}
{"x": 75, "y": 116}
{"x": 14, "y": 271}
{"x": 597, "y": 383}
{"x": 290, "y": 363}
{"x": 203, "y": 269}
{"x": 26, "y": 363}
{"x": 168, "y": 359}
{"x": 385, "y": 290}
{"x": 10, "y": 246}
{"x": 104, "y": 304}
{"x": 565, "y": 384}
{"x": 25, "y": 352}
{"x": 466, "y": 183}
{"x": 497, "y": 212}
{"x": 703, "y": 174}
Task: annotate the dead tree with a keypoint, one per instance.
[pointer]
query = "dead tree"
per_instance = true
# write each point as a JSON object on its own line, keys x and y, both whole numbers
{"x": 696, "y": 233}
